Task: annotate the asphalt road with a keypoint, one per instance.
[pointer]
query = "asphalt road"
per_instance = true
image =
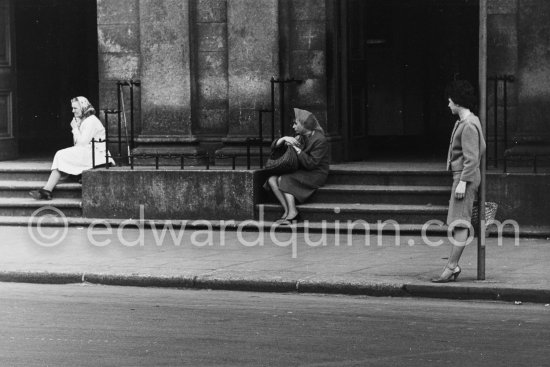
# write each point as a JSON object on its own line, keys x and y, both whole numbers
{"x": 90, "y": 325}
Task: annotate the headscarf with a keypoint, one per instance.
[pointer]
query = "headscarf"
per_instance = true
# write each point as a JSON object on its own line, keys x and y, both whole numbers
{"x": 308, "y": 120}
{"x": 86, "y": 107}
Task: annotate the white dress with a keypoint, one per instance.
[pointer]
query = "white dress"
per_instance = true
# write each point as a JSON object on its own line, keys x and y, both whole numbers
{"x": 78, "y": 158}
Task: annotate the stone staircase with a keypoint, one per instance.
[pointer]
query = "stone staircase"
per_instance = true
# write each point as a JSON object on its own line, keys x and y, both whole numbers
{"x": 408, "y": 193}
{"x": 17, "y": 178}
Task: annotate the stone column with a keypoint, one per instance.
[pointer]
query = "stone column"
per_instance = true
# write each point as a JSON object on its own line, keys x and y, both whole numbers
{"x": 165, "y": 76}
{"x": 308, "y": 59}
{"x": 533, "y": 71}
{"x": 253, "y": 59}
{"x": 119, "y": 57}
{"x": 502, "y": 59}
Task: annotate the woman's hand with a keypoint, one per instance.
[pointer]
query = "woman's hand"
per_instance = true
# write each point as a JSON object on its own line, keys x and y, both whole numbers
{"x": 75, "y": 124}
{"x": 291, "y": 141}
{"x": 460, "y": 190}
{"x": 288, "y": 140}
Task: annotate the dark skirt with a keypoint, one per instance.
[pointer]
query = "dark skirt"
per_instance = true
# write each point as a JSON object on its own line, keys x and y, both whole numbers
{"x": 302, "y": 184}
{"x": 460, "y": 210}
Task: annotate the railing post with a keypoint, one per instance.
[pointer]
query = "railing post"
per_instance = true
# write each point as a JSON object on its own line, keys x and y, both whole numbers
{"x": 93, "y": 153}
{"x": 118, "y": 92}
{"x": 106, "y": 138}
{"x": 495, "y": 113}
{"x": 272, "y": 81}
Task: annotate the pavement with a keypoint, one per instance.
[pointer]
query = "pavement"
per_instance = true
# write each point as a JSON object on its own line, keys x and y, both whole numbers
{"x": 203, "y": 256}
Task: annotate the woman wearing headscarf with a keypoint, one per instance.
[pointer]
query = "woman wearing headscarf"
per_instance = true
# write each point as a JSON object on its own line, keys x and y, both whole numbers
{"x": 312, "y": 149}
{"x": 78, "y": 158}
{"x": 466, "y": 147}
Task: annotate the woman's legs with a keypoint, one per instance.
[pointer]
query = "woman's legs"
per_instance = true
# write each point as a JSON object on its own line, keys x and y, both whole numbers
{"x": 460, "y": 235}
{"x": 274, "y": 184}
{"x": 55, "y": 175}
{"x": 292, "y": 211}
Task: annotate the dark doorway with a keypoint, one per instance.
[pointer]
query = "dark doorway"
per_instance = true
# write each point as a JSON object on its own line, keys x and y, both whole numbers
{"x": 56, "y": 59}
{"x": 400, "y": 56}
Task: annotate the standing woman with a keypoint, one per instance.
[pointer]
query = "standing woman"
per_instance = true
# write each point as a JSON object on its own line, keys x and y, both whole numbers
{"x": 78, "y": 158}
{"x": 465, "y": 150}
{"x": 312, "y": 149}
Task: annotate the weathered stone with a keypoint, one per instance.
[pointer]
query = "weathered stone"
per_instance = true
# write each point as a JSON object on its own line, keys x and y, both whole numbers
{"x": 117, "y": 12}
{"x": 309, "y": 36}
{"x": 211, "y": 11}
{"x": 212, "y": 80}
{"x": 534, "y": 66}
{"x": 118, "y": 66}
{"x": 212, "y": 121}
{"x": 212, "y": 36}
{"x": 166, "y": 92}
{"x": 312, "y": 92}
{"x": 502, "y": 44}
{"x": 308, "y": 9}
{"x": 502, "y": 6}
{"x": 253, "y": 59}
{"x": 119, "y": 38}
{"x": 170, "y": 194}
{"x": 308, "y": 64}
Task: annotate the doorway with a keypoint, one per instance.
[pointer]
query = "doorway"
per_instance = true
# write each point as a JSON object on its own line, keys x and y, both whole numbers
{"x": 400, "y": 55}
{"x": 56, "y": 60}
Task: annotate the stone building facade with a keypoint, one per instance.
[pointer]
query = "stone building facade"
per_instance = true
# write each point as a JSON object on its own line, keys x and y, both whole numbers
{"x": 372, "y": 71}
{"x": 205, "y": 67}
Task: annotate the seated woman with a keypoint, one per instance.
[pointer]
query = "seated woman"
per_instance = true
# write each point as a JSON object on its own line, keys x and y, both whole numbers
{"x": 312, "y": 148}
{"x": 72, "y": 161}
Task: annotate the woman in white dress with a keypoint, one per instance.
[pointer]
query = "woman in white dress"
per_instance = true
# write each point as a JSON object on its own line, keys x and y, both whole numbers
{"x": 78, "y": 158}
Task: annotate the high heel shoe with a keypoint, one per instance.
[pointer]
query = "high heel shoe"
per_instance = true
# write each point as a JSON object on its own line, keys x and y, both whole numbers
{"x": 288, "y": 221}
{"x": 451, "y": 278}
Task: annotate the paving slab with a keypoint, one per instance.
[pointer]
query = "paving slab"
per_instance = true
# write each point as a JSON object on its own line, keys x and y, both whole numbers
{"x": 516, "y": 269}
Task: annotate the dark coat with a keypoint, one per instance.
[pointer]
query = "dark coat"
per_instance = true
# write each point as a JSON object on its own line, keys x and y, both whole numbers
{"x": 314, "y": 167}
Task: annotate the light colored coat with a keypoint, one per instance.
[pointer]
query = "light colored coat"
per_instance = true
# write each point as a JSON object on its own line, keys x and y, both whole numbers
{"x": 78, "y": 158}
{"x": 466, "y": 148}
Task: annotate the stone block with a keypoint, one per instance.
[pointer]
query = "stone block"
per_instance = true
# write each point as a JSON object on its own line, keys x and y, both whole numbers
{"x": 212, "y": 80}
{"x": 170, "y": 194}
{"x": 118, "y": 66}
{"x": 502, "y": 44}
{"x": 117, "y": 12}
{"x": 118, "y": 38}
{"x": 212, "y": 121}
{"x": 308, "y": 10}
{"x": 253, "y": 57}
{"x": 308, "y": 64}
{"x": 165, "y": 73}
{"x": 502, "y": 6}
{"x": 212, "y": 37}
{"x": 212, "y": 11}
{"x": 308, "y": 35}
{"x": 312, "y": 92}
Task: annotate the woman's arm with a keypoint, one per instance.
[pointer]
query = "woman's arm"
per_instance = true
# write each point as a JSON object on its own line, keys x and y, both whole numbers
{"x": 470, "y": 152}
{"x": 84, "y": 135}
{"x": 311, "y": 160}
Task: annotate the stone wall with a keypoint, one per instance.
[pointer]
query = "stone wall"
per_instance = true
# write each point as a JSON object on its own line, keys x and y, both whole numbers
{"x": 118, "y": 32}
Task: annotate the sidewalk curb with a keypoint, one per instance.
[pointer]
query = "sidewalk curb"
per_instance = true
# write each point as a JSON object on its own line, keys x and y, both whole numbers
{"x": 367, "y": 288}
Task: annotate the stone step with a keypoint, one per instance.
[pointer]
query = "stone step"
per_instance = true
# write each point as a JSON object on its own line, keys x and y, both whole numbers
{"x": 20, "y": 189}
{"x": 371, "y": 213}
{"x": 29, "y": 206}
{"x": 387, "y": 177}
{"x": 380, "y": 194}
{"x": 24, "y": 174}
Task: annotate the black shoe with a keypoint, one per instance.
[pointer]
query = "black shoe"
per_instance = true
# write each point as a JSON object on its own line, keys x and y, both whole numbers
{"x": 450, "y": 278}
{"x": 41, "y": 194}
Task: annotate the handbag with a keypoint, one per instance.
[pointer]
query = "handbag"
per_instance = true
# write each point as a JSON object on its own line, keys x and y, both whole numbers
{"x": 282, "y": 159}
{"x": 490, "y": 212}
